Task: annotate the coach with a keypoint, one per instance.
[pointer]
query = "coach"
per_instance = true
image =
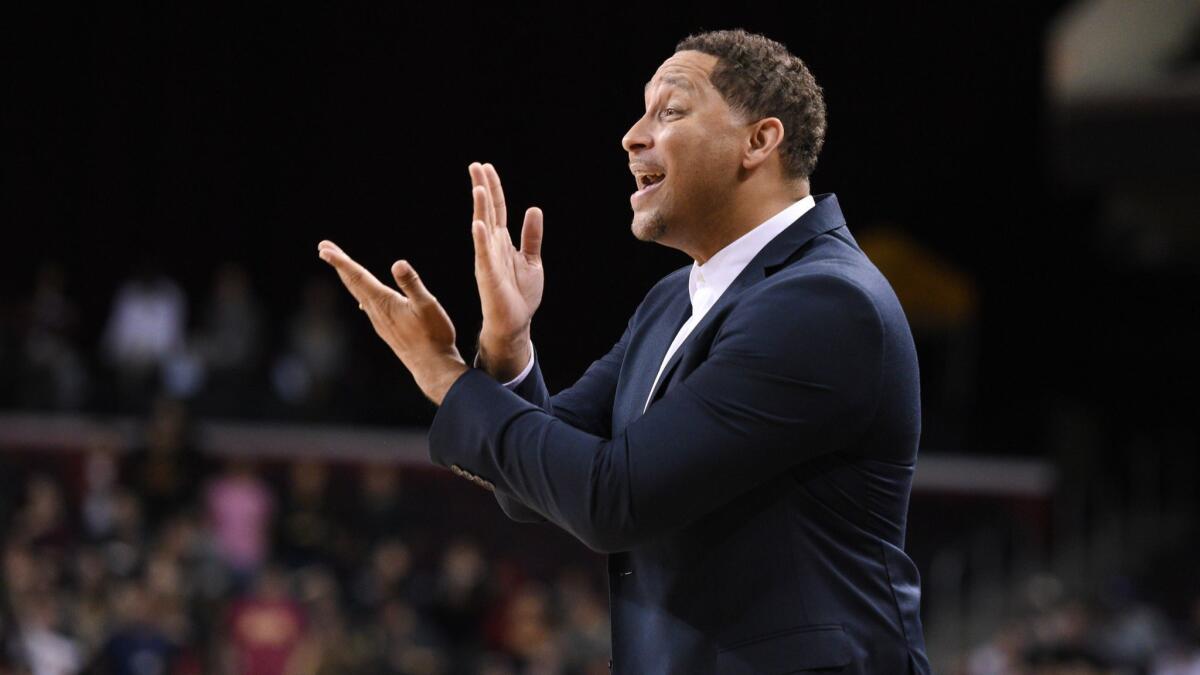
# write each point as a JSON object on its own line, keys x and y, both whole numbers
{"x": 745, "y": 452}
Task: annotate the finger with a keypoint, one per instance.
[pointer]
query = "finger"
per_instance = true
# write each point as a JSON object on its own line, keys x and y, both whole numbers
{"x": 479, "y": 197}
{"x": 478, "y": 180}
{"x": 531, "y": 234}
{"x": 483, "y": 207}
{"x": 497, "y": 194}
{"x": 488, "y": 210}
{"x": 479, "y": 234}
{"x": 476, "y": 171}
{"x": 491, "y": 261}
{"x": 408, "y": 281}
{"x": 362, "y": 284}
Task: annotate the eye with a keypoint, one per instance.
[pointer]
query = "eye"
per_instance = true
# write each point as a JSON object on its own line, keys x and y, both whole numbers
{"x": 669, "y": 112}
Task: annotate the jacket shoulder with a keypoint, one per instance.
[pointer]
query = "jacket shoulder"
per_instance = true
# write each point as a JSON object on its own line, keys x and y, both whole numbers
{"x": 836, "y": 264}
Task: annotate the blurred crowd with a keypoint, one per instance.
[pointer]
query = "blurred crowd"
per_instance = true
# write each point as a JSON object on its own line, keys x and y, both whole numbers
{"x": 233, "y": 350}
{"x": 163, "y": 561}
{"x": 223, "y": 353}
{"x": 1111, "y": 634}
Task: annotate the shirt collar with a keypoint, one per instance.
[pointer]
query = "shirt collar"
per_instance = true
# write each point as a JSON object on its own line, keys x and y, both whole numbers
{"x": 707, "y": 282}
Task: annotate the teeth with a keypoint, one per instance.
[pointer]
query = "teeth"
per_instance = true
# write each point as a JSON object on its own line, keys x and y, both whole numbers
{"x": 647, "y": 179}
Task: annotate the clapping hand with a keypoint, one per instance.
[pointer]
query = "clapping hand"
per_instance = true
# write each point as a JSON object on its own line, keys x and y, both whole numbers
{"x": 510, "y": 280}
{"x": 418, "y": 329}
{"x": 412, "y": 323}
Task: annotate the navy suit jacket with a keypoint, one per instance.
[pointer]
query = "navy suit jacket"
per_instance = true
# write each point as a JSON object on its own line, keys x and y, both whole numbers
{"x": 754, "y": 514}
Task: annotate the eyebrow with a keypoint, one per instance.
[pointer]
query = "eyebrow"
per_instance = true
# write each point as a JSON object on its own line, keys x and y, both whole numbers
{"x": 680, "y": 82}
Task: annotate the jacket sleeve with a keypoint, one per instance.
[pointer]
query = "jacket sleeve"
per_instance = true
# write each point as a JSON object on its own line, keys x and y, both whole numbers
{"x": 587, "y": 405}
{"x": 793, "y": 373}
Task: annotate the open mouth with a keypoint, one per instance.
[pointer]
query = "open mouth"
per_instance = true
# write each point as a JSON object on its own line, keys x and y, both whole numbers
{"x": 648, "y": 177}
{"x": 648, "y": 180}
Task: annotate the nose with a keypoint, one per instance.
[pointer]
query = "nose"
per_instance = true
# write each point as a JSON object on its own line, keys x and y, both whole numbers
{"x": 638, "y": 137}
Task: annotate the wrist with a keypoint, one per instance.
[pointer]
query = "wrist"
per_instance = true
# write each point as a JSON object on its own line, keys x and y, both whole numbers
{"x": 504, "y": 356}
{"x": 439, "y": 378}
{"x": 503, "y": 340}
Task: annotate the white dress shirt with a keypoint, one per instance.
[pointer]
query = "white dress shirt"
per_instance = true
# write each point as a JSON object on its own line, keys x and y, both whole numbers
{"x": 707, "y": 282}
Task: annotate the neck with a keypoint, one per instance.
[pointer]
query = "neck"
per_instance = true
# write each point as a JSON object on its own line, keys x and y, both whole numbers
{"x": 746, "y": 211}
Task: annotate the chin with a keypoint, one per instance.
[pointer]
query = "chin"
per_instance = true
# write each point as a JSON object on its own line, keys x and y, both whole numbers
{"x": 648, "y": 226}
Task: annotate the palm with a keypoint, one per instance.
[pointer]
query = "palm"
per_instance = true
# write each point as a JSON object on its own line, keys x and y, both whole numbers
{"x": 510, "y": 279}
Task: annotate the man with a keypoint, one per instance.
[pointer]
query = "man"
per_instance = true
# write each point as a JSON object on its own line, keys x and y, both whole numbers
{"x": 744, "y": 453}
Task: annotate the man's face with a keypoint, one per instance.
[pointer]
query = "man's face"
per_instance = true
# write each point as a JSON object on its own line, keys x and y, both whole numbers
{"x": 685, "y": 151}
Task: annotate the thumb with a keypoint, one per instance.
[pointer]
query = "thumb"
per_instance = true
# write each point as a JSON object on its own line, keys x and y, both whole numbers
{"x": 408, "y": 281}
{"x": 531, "y": 234}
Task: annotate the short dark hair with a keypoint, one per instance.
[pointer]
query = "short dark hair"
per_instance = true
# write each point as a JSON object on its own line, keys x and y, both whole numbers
{"x": 760, "y": 78}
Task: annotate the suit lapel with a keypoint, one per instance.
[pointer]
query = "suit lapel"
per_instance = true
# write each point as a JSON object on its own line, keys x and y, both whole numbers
{"x": 645, "y": 356}
{"x": 826, "y": 215}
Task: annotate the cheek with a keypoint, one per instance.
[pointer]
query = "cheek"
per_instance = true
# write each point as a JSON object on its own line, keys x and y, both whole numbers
{"x": 685, "y": 157}
{"x": 703, "y": 158}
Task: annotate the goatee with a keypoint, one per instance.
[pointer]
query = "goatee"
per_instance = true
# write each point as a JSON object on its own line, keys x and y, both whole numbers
{"x": 652, "y": 230}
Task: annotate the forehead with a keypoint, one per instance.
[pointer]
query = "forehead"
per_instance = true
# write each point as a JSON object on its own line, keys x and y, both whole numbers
{"x": 688, "y": 70}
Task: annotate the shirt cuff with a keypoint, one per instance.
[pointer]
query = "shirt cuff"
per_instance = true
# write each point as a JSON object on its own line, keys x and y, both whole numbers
{"x": 512, "y": 384}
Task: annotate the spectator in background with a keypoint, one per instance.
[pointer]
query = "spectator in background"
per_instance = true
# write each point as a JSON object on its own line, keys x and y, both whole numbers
{"x": 182, "y": 541}
{"x": 316, "y": 351}
{"x": 231, "y": 334}
{"x": 100, "y": 475}
{"x": 266, "y": 629}
{"x": 528, "y": 637}
{"x": 43, "y": 522}
{"x": 138, "y": 645}
{"x": 381, "y": 510}
{"x": 164, "y": 471}
{"x": 307, "y": 529}
{"x": 124, "y": 547}
{"x": 36, "y": 638}
{"x": 586, "y": 641}
{"x": 229, "y": 342}
{"x": 188, "y": 585}
{"x": 145, "y": 327}
{"x": 239, "y": 508}
{"x": 88, "y": 598}
{"x": 331, "y": 647}
{"x": 44, "y": 646}
{"x": 461, "y": 600}
{"x": 388, "y": 576}
{"x": 53, "y": 373}
{"x": 405, "y": 644}
{"x": 22, "y": 581}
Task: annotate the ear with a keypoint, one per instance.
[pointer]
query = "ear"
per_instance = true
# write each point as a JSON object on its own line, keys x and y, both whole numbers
{"x": 765, "y": 135}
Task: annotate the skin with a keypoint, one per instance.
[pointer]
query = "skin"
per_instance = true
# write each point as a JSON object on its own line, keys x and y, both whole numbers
{"x": 723, "y": 176}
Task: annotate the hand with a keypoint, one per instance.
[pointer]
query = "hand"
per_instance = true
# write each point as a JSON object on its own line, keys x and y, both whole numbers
{"x": 414, "y": 325}
{"x": 510, "y": 280}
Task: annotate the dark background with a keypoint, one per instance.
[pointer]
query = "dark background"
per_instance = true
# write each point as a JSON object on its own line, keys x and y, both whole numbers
{"x": 193, "y": 135}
